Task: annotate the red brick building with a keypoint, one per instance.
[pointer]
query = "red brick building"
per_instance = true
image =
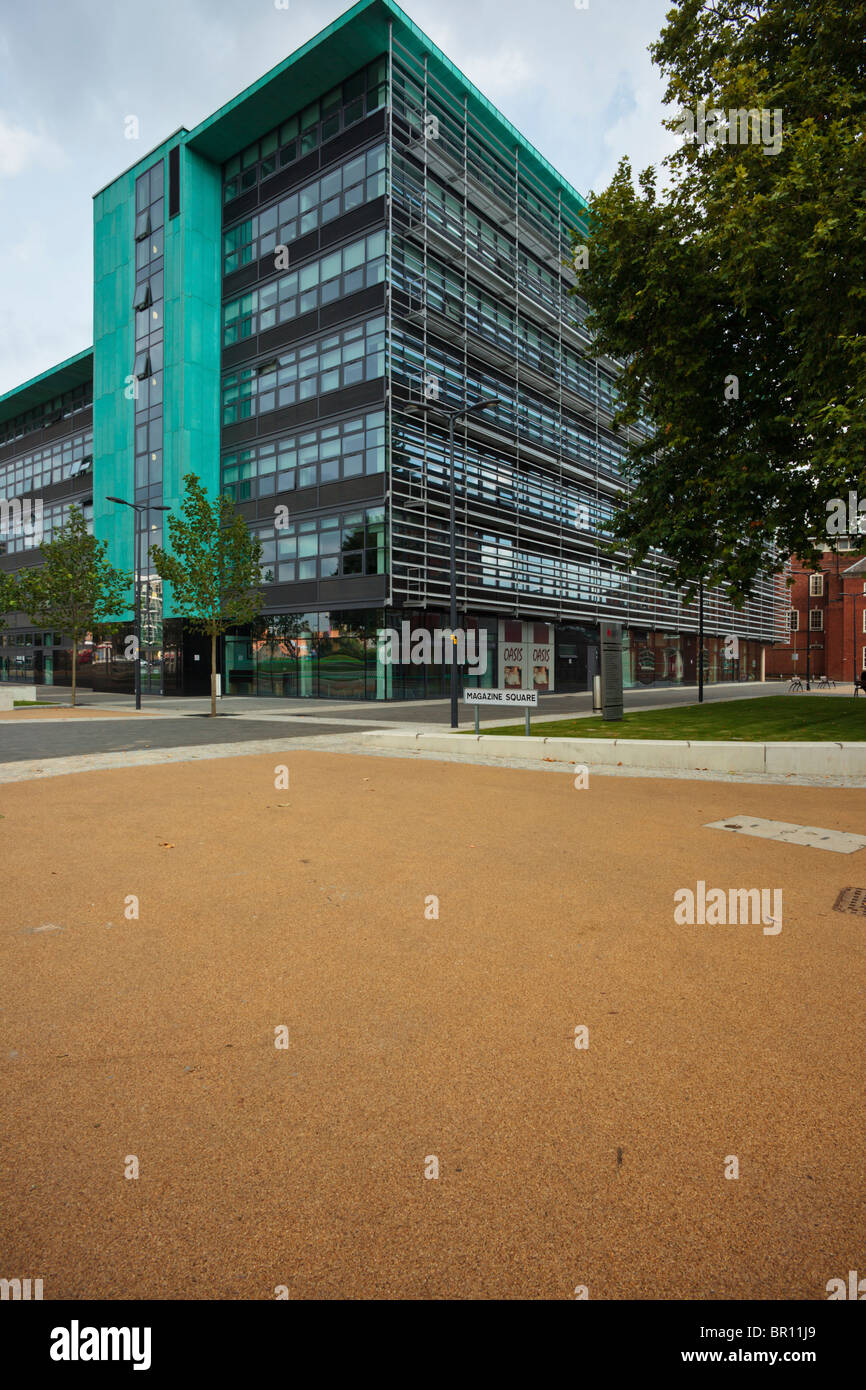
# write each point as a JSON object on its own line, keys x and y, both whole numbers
{"x": 827, "y": 621}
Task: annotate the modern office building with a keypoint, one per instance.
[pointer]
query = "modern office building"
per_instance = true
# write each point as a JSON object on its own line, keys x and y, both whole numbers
{"x": 287, "y": 300}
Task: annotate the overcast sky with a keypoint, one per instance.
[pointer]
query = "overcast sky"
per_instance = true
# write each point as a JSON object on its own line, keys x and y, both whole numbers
{"x": 577, "y": 82}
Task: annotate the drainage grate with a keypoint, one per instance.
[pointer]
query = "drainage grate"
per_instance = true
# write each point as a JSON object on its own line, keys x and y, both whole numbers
{"x": 851, "y": 900}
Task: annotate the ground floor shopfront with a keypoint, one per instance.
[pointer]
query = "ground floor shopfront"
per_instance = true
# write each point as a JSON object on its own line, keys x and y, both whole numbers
{"x": 371, "y": 654}
{"x": 344, "y": 655}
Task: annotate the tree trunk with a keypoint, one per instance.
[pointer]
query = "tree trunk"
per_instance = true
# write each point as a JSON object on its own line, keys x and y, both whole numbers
{"x": 74, "y": 669}
{"x": 213, "y": 675}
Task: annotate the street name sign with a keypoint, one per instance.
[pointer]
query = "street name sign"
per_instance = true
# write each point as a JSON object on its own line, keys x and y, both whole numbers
{"x": 524, "y": 699}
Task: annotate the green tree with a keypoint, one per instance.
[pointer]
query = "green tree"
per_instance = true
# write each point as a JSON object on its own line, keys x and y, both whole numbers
{"x": 75, "y": 589}
{"x": 214, "y": 566}
{"x": 736, "y": 297}
{"x": 9, "y": 596}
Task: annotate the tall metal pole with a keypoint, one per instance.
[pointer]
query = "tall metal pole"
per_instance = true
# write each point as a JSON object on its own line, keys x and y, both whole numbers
{"x": 453, "y": 524}
{"x": 701, "y": 643}
{"x": 808, "y": 631}
{"x": 137, "y": 582}
{"x": 854, "y": 640}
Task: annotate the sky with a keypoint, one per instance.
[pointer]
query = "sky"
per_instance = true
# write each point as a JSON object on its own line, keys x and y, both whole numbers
{"x": 577, "y": 82}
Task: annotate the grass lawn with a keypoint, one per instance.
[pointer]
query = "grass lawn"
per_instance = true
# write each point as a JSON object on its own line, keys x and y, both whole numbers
{"x": 772, "y": 719}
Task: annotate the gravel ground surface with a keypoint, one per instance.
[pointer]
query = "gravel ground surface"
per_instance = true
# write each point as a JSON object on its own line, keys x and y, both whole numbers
{"x": 414, "y": 1037}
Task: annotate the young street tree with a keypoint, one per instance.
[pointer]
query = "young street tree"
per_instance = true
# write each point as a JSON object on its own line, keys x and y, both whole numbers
{"x": 75, "y": 590}
{"x": 9, "y": 596}
{"x": 736, "y": 298}
{"x": 214, "y": 566}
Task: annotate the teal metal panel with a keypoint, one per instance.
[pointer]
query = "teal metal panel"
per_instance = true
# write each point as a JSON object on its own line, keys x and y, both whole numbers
{"x": 113, "y": 357}
{"x": 113, "y": 342}
{"x": 193, "y": 286}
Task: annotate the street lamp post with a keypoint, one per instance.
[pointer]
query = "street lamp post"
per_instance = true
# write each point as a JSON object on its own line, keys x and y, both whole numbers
{"x": 454, "y": 413}
{"x": 138, "y": 508}
{"x": 701, "y": 643}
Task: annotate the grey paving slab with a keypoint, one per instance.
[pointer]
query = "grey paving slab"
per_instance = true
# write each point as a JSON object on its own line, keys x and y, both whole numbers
{"x": 788, "y": 833}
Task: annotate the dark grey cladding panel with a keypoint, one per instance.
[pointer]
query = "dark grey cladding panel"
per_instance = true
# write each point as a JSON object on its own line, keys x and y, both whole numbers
{"x": 341, "y": 229}
{"x": 281, "y": 182}
{"x": 367, "y": 301}
{"x": 277, "y": 422}
{"x": 76, "y": 424}
{"x": 82, "y": 421}
{"x": 352, "y": 306}
{"x": 237, "y": 353}
{"x": 239, "y": 433}
{"x": 239, "y": 280}
{"x": 354, "y": 222}
{"x": 297, "y": 596}
{"x": 240, "y": 207}
{"x": 352, "y": 138}
{"x": 70, "y": 489}
{"x": 302, "y": 248}
{"x": 353, "y": 397}
{"x": 305, "y": 499}
{"x": 309, "y": 500}
{"x": 367, "y": 588}
{"x": 286, "y": 333}
{"x": 280, "y": 420}
{"x": 351, "y": 490}
{"x": 23, "y": 560}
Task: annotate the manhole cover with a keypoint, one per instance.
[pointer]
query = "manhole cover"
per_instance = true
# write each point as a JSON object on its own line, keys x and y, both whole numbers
{"x": 851, "y": 900}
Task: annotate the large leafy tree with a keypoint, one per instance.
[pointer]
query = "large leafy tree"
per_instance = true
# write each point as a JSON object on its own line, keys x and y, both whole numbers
{"x": 214, "y": 566}
{"x": 736, "y": 296}
{"x": 75, "y": 589}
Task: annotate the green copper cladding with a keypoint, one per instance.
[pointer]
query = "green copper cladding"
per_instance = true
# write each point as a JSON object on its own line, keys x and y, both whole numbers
{"x": 113, "y": 358}
{"x": 192, "y": 285}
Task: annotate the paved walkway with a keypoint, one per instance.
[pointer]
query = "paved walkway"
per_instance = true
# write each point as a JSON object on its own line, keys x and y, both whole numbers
{"x": 411, "y": 711}
{"x": 26, "y": 770}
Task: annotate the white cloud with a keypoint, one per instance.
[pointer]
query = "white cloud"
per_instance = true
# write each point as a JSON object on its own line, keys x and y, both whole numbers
{"x": 639, "y": 133}
{"x": 21, "y": 149}
{"x": 500, "y": 74}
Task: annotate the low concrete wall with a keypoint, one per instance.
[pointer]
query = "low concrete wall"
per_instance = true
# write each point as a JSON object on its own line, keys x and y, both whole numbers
{"x": 807, "y": 759}
{"x": 11, "y": 691}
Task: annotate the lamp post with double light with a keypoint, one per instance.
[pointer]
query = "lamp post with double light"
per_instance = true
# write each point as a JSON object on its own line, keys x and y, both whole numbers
{"x": 453, "y": 414}
{"x": 138, "y": 508}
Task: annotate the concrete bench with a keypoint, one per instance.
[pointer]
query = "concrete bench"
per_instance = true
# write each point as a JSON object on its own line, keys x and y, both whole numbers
{"x": 12, "y": 691}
